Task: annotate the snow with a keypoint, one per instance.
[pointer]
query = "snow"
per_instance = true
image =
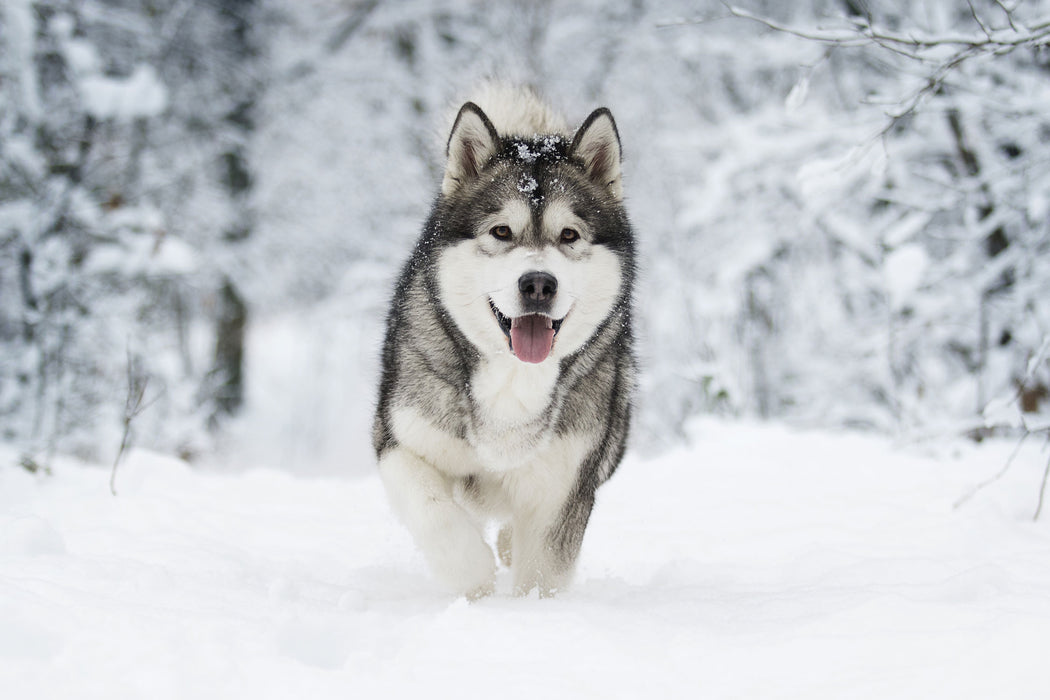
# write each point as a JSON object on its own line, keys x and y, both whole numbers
{"x": 526, "y": 154}
{"x": 798, "y": 259}
{"x": 141, "y": 94}
{"x": 144, "y": 254}
{"x": 19, "y": 30}
{"x": 527, "y": 185}
{"x": 758, "y": 561}
{"x": 904, "y": 268}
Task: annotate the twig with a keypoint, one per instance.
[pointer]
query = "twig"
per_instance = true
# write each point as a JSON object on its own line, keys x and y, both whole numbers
{"x": 1042, "y": 491}
{"x": 847, "y": 37}
{"x": 133, "y": 407}
{"x": 692, "y": 22}
{"x": 979, "y": 21}
{"x": 988, "y": 482}
{"x": 349, "y": 26}
{"x": 1009, "y": 14}
{"x": 867, "y": 34}
{"x": 1033, "y": 365}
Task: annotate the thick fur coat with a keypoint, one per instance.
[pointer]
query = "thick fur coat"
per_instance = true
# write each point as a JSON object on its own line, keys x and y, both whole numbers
{"x": 507, "y": 366}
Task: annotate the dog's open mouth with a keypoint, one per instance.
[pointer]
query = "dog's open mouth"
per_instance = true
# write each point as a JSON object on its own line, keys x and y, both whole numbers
{"x": 531, "y": 337}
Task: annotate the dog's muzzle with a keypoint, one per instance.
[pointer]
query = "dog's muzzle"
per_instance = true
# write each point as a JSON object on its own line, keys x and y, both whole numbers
{"x": 531, "y": 335}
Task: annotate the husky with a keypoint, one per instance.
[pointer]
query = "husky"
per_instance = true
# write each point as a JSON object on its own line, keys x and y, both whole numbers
{"x": 508, "y": 366}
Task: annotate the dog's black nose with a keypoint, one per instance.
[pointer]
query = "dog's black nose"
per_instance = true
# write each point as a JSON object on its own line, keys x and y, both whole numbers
{"x": 538, "y": 286}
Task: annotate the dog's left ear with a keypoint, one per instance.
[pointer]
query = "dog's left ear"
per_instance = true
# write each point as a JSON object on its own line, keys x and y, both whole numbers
{"x": 597, "y": 144}
{"x": 471, "y": 144}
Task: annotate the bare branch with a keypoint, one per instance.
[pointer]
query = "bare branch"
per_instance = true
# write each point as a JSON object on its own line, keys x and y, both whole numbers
{"x": 1042, "y": 491}
{"x": 1033, "y": 364}
{"x": 349, "y": 26}
{"x": 133, "y": 407}
{"x": 846, "y": 37}
{"x": 692, "y": 22}
{"x": 863, "y": 34}
{"x": 1009, "y": 14}
{"x": 999, "y": 475}
{"x": 1044, "y": 430}
{"x": 910, "y": 104}
{"x": 977, "y": 19}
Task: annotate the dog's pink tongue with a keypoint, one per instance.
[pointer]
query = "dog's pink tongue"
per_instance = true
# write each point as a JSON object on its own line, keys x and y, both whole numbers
{"x": 531, "y": 337}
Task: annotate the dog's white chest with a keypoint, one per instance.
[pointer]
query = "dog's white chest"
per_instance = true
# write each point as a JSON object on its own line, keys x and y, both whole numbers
{"x": 509, "y": 392}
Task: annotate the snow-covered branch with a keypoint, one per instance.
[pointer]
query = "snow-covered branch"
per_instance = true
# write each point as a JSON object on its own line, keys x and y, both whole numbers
{"x": 911, "y": 43}
{"x": 941, "y": 52}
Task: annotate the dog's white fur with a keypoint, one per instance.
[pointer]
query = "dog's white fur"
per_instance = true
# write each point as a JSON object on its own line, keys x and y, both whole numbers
{"x": 522, "y": 480}
{"x": 514, "y": 475}
{"x": 515, "y": 110}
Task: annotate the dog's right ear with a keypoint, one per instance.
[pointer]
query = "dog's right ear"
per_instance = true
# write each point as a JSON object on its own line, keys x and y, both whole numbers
{"x": 597, "y": 144}
{"x": 470, "y": 145}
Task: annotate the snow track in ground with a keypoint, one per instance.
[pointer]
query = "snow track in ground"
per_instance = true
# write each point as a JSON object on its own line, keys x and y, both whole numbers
{"x": 759, "y": 563}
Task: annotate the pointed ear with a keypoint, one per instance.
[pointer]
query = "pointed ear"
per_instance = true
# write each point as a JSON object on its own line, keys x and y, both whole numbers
{"x": 470, "y": 145}
{"x": 597, "y": 144}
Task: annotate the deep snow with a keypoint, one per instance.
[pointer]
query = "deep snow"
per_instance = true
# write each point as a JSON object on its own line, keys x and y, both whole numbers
{"x": 761, "y": 562}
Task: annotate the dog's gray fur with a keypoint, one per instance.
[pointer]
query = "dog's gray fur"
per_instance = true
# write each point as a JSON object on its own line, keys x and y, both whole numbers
{"x": 465, "y": 431}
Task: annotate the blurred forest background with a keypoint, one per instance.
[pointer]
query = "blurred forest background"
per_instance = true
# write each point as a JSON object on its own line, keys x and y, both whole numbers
{"x": 203, "y": 204}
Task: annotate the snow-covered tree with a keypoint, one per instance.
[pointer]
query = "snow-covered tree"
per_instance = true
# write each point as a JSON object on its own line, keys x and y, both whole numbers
{"x": 847, "y": 227}
{"x": 120, "y": 188}
{"x": 938, "y": 253}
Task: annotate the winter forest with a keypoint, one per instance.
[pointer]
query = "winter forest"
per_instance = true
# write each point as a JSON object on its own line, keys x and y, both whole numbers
{"x": 842, "y": 319}
{"x": 203, "y": 204}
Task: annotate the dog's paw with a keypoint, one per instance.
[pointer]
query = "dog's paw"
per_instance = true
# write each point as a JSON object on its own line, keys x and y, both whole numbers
{"x": 460, "y": 559}
{"x": 481, "y": 592}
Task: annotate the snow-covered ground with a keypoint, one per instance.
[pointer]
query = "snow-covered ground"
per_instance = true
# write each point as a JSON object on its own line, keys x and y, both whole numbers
{"x": 761, "y": 562}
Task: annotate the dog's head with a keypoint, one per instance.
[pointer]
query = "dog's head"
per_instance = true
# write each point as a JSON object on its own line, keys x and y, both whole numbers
{"x": 539, "y": 249}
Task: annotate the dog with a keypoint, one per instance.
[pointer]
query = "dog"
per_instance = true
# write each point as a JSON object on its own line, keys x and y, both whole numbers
{"x": 508, "y": 364}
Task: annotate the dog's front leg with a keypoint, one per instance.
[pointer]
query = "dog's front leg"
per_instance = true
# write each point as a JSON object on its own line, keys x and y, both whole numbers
{"x": 550, "y": 513}
{"x": 545, "y": 547}
{"x": 451, "y": 542}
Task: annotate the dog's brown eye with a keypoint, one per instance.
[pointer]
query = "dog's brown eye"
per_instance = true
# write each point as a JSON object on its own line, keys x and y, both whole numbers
{"x": 501, "y": 232}
{"x": 569, "y": 235}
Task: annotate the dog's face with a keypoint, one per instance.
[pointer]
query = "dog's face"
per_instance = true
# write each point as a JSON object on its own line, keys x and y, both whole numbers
{"x": 537, "y": 260}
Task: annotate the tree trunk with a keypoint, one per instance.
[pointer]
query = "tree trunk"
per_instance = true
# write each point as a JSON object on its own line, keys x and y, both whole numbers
{"x": 229, "y": 351}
